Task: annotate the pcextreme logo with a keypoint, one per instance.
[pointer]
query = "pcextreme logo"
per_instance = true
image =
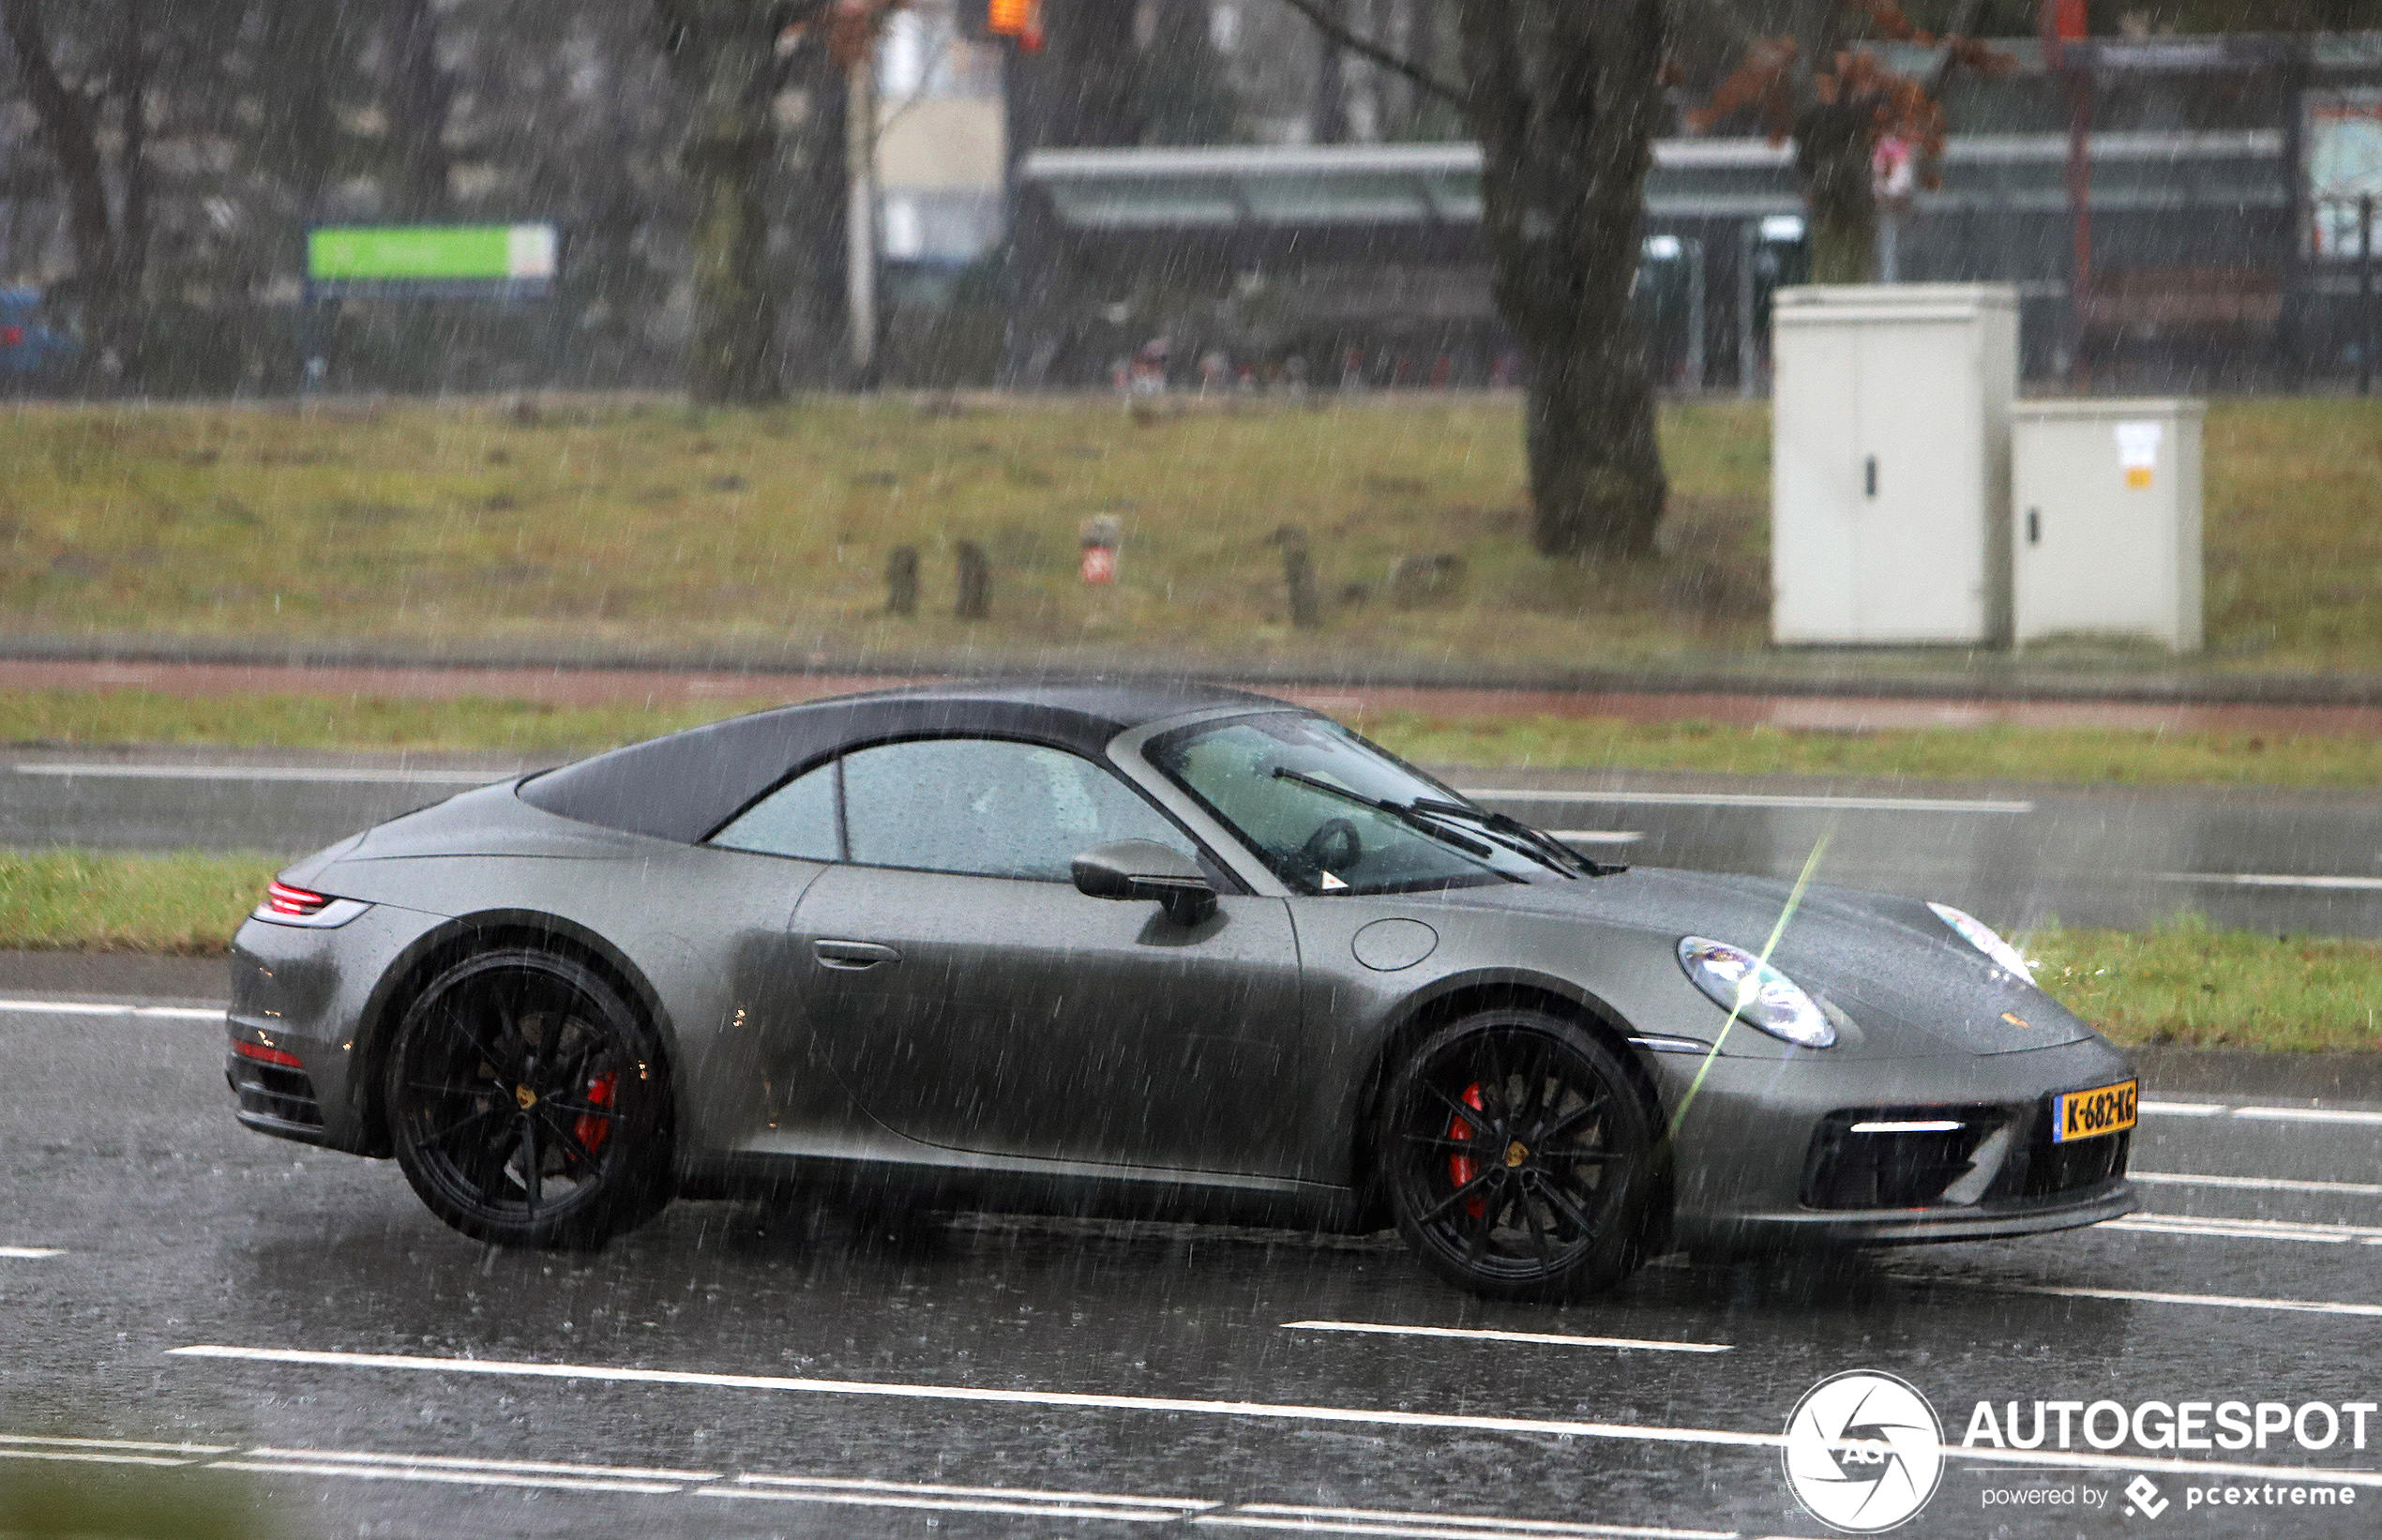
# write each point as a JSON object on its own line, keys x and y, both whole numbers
{"x": 1864, "y": 1452}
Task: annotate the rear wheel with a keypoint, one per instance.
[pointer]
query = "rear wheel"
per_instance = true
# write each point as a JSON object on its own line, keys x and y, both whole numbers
{"x": 527, "y": 1102}
{"x": 1518, "y": 1155}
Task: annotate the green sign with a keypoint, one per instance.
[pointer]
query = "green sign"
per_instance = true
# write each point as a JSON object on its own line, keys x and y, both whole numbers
{"x": 431, "y": 253}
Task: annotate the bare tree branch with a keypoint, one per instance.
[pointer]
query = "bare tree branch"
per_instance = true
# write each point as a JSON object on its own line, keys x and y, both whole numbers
{"x": 1963, "y": 21}
{"x": 1334, "y": 32}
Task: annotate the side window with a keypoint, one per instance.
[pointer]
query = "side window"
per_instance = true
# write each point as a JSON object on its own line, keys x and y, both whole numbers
{"x": 990, "y": 809}
{"x": 797, "y": 818}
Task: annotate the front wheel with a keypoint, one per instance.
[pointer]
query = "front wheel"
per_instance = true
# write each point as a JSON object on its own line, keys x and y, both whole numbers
{"x": 527, "y": 1102}
{"x": 1518, "y": 1155}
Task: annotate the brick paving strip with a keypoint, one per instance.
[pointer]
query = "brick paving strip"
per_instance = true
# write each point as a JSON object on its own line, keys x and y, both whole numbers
{"x": 592, "y": 686}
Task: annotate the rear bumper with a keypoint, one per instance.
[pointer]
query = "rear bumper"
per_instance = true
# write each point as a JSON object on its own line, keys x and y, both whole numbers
{"x": 310, "y": 993}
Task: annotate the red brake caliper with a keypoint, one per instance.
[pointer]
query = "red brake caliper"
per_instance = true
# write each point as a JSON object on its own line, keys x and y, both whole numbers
{"x": 590, "y": 1131}
{"x": 1460, "y": 1169}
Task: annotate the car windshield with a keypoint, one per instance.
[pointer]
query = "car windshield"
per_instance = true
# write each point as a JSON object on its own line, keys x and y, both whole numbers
{"x": 1295, "y": 788}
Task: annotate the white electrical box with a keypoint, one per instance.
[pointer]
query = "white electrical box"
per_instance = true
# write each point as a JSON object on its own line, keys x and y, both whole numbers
{"x": 2106, "y": 496}
{"x": 1890, "y": 463}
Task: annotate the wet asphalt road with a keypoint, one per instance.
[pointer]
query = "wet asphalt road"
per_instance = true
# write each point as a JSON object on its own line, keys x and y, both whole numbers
{"x": 2301, "y": 862}
{"x": 166, "y": 1226}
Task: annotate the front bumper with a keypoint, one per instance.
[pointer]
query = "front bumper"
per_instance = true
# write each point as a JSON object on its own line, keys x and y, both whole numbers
{"x": 1761, "y": 1153}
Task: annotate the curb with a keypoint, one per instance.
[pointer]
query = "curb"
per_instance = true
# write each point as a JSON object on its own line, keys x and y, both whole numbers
{"x": 1836, "y": 674}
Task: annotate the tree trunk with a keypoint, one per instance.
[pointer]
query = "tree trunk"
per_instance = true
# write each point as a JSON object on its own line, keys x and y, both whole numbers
{"x": 1328, "y": 114}
{"x": 723, "y": 54}
{"x": 105, "y": 281}
{"x": 1565, "y": 100}
{"x": 419, "y": 97}
{"x": 1832, "y": 159}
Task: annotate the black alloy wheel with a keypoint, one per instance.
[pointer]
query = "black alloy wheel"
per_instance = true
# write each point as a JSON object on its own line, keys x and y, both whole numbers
{"x": 527, "y": 1102}
{"x": 1517, "y": 1155}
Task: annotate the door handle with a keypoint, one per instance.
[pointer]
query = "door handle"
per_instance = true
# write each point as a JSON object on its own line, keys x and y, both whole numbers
{"x": 852, "y": 955}
{"x": 1869, "y": 477}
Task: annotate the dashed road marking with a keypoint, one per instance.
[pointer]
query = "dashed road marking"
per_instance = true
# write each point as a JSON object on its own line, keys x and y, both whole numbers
{"x": 2261, "y": 1115}
{"x": 2257, "y": 1184}
{"x": 933, "y": 1498}
{"x": 2221, "y": 1302}
{"x": 1267, "y": 1411}
{"x": 442, "y": 1474}
{"x": 1597, "y": 837}
{"x": 1431, "y": 1526}
{"x": 2310, "y": 1114}
{"x": 31, "y": 1253}
{"x": 2247, "y": 1229}
{"x": 87, "y": 1007}
{"x": 1548, "y": 1339}
{"x": 465, "y": 1462}
{"x": 106, "y": 1451}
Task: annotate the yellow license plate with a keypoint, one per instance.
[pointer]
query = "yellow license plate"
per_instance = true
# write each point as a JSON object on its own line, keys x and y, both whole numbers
{"x": 2089, "y": 1115}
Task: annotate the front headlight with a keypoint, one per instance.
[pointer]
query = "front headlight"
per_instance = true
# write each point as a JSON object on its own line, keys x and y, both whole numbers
{"x": 1982, "y": 936}
{"x": 1754, "y": 992}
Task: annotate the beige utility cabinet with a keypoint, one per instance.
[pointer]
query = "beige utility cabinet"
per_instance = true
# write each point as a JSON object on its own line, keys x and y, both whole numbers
{"x": 2107, "y": 502}
{"x": 1890, "y": 463}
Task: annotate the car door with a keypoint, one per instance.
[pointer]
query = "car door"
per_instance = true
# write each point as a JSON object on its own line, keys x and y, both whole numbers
{"x": 968, "y": 996}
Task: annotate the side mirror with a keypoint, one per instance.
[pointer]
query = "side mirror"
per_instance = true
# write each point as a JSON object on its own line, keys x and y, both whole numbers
{"x": 1143, "y": 869}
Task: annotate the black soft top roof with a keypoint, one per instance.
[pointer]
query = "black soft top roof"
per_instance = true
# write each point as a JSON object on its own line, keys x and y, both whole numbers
{"x": 686, "y": 785}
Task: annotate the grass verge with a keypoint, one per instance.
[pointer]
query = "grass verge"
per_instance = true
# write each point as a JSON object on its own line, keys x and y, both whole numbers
{"x": 2183, "y": 984}
{"x": 615, "y": 521}
{"x": 2194, "y": 986}
{"x": 2054, "y": 755}
{"x": 188, "y": 903}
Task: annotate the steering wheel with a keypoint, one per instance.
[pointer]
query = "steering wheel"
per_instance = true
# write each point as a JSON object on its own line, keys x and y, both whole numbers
{"x": 1333, "y": 846}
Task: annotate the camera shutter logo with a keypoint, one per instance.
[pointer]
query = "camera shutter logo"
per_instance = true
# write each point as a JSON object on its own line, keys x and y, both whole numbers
{"x": 1863, "y": 1452}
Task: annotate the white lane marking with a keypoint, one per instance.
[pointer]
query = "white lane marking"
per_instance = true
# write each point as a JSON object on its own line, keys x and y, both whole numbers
{"x": 1550, "y": 1338}
{"x": 1083, "y": 1400}
{"x": 2257, "y": 1184}
{"x": 1755, "y": 799}
{"x": 932, "y": 1498}
{"x": 146, "y": 1446}
{"x": 268, "y": 772}
{"x": 31, "y": 1253}
{"x": 2182, "y": 1109}
{"x": 90, "y": 1456}
{"x": 1378, "y": 1417}
{"x": 2264, "y": 1230}
{"x": 465, "y": 1462}
{"x": 2307, "y": 1115}
{"x": 2267, "y": 879}
{"x": 1597, "y": 837}
{"x": 943, "y": 1505}
{"x": 452, "y": 1478}
{"x": 86, "y": 1008}
{"x": 2221, "y": 1302}
{"x": 1448, "y": 1526}
{"x": 1125, "y": 1500}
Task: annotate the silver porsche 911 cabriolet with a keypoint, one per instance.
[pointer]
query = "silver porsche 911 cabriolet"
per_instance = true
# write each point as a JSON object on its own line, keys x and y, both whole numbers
{"x": 1168, "y": 952}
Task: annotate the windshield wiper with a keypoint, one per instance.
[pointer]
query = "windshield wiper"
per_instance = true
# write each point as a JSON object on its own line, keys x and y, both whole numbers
{"x": 1537, "y": 844}
{"x": 1411, "y": 816}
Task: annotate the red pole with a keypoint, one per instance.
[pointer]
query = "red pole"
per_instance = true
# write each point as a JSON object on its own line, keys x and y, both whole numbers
{"x": 2063, "y": 21}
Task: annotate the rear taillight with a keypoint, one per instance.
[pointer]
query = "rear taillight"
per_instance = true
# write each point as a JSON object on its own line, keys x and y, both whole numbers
{"x": 267, "y": 1055}
{"x": 281, "y": 898}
